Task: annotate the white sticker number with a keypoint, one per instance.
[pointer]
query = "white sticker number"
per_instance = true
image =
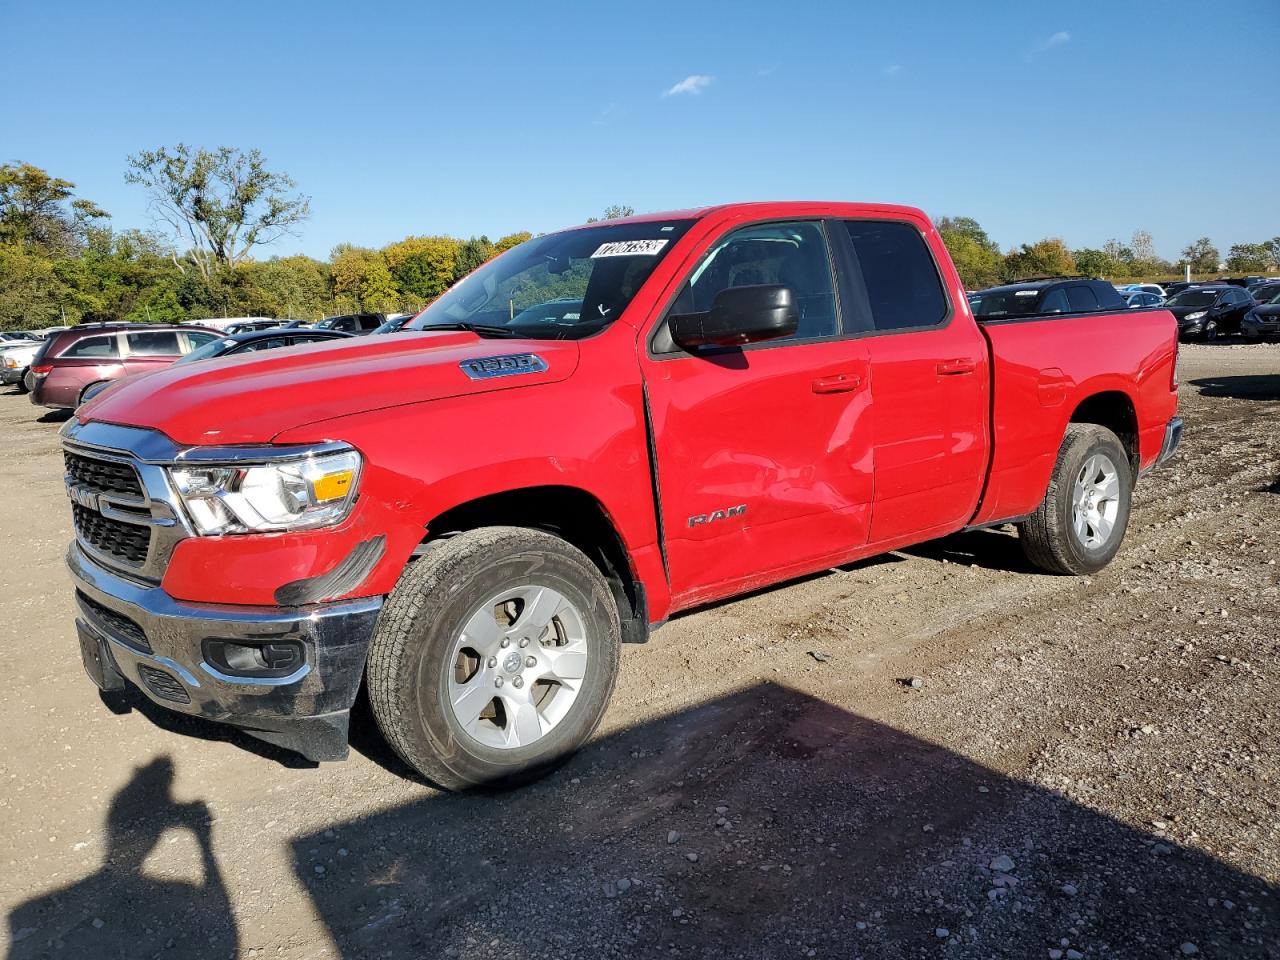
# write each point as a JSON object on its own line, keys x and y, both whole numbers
{"x": 629, "y": 248}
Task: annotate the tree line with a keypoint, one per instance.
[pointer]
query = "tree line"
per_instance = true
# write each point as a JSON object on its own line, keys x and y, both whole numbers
{"x": 981, "y": 263}
{"x": 62, "y": 262}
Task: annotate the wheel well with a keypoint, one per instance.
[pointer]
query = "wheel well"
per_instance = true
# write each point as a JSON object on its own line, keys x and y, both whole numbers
{"x": 570, "y": 513}
{"x": 1113, "y": 410}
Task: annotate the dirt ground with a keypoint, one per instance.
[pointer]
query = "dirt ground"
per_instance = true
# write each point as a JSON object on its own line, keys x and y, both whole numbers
{"x": 1089, "y": 769}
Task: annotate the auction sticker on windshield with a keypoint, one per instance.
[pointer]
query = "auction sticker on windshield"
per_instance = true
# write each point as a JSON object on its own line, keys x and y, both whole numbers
{"x": 629, "y": 248}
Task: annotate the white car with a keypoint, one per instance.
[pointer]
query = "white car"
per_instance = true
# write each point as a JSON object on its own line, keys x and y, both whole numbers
{"x": 1144, "y": 288}
{"x": 222, "y": 323}
{"x": 14, "y": 361}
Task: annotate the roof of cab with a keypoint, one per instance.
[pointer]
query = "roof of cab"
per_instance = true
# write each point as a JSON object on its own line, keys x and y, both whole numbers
{"x": 769, "y": 207}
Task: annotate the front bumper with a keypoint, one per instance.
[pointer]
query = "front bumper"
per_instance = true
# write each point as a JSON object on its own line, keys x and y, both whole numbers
{"x": 161, "y": 646}
{"x": 1260, "y": 329}
{"x": 12, "y": 375}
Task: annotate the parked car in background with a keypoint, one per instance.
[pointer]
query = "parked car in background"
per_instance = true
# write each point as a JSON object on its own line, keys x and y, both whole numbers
{"x": 357, "y": 323}
{"x": 1144, "y": 288}
{"x": 1245, "y": 282}
{"x": 254, "y": 340}
{"x": 1045, "y": 295}
{"x": 222, "y": 324}
{"x": 1210, "y": 311}
{"x": 16, "y": 337}
{"x": 395, "y": 323}
{"x": 1137, "y": 299}
{"x": 15, "y": 361}
{"x": 73, "y": 361}
{"x": 295, "y": 324}
{"x": 1262, "y": 322}
{"x": 1264, "y": 289}
{"x": 1177, "y": 286}
{"x": 251, "y": 325}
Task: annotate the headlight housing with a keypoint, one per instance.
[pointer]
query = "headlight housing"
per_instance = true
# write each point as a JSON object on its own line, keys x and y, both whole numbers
{"x": 299, "y": 491}
{"x": 1197, "y": 315}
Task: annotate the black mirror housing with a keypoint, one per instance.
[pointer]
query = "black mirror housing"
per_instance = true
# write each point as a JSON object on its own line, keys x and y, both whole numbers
{"x": 738, "y": 316}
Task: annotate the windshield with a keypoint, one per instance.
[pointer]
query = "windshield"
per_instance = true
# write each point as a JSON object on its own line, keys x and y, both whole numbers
{"x": 1194, "y": 298}
{"x": 562, "y": 286}
{"x": 1000, "y": 303}
{"x": 1269, "y": 295}
{"x": 210, "y": 349}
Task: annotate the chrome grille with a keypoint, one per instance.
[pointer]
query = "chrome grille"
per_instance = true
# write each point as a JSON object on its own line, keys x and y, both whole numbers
{"x": 103, "y": 476}
{"x": 126, "y": 542}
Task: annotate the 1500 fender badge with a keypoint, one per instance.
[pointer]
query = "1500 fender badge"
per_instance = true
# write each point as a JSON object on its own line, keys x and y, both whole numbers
{"x": 700, "y": 519}
{"x": 486, "y": 368}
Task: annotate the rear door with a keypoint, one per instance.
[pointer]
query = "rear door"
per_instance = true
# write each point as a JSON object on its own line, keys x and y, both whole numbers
{"x": 929, "y": 380}
{"x": 762, "y": 452}
{"x": 147, "y": 350}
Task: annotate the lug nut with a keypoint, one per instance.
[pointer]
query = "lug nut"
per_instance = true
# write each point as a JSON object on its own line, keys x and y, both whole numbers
{"x": 505, "y": 642}
{"x": 493, "y": 662}
{"x": 530, "y": 661}
{"x": 497, "y": 682}
{"x": 517, "y": 682}
{"x": 524, "y": 641}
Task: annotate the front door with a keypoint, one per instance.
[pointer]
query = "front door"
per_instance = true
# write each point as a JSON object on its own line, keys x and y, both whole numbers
{"x": 763, "y": 453}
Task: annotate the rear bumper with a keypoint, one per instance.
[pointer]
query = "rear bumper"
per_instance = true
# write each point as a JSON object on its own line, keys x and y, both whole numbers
{"x": 162, "y": 647}
{"x": 1172, "y": 437}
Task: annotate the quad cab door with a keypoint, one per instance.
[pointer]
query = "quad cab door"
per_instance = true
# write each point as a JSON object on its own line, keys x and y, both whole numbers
{"x": 763, "y": 453}
{"x": 930, "y": 380}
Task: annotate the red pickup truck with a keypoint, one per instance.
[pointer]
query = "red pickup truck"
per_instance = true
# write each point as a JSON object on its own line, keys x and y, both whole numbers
{"x": 599, "y": 428}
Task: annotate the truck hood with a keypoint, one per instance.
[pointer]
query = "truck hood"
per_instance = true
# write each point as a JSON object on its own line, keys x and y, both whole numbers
{"x": 253, "y": 397}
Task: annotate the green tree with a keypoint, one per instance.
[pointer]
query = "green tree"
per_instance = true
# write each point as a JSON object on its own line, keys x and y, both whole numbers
{"x": 511, "y": 240}
{"x": 31, "y": 292}
{"x": 977, "y": 257}
{"x": 1096, "y": 263}
{"x": 222, "y": 202}
{"x": 615, "y": 211}
{"x": 471, "y": 254}
{"x": 1202, "y": 255}
{"x": 422, "y": 267}
{"x": 1050, "y": 257}
{"x": 1249, "y": 258}
{"x": 287, "y": 287}
{"x": 41, "y": 211}
{"x": 362, "y": 280}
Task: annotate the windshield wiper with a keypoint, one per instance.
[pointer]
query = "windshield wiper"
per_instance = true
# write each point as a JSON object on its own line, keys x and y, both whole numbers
{"x": 479, "y": 329}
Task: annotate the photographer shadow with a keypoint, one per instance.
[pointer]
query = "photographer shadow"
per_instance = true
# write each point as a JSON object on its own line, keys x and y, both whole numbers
{"x": 120, "y": 911}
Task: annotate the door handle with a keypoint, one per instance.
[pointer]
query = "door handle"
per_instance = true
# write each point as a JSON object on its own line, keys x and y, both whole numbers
{"x": 951, "y": 368}
{"x": 837, "y": 383}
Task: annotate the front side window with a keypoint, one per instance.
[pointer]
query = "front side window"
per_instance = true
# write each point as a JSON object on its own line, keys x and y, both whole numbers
{"x": 520, "y": 293}
{"x": 1055, "y": 301}
{"x": 773, "y": 254}
{"x": 153, "y": 344}
{"x": 901, "y": 279}
{"x": 92, "y": 347}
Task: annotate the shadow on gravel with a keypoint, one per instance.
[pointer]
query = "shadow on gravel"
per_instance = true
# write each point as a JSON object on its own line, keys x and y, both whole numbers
{"x": 126, "y": 700}
{"x": 1262, "y": 386}
{"x": 54, "y": 416}
{"x": 772, "y": 824}
{"x": 121, "y": 912}
{"x": 994, "y": 549}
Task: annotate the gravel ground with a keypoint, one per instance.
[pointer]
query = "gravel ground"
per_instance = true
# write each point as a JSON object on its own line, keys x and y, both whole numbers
{"x": 1085, "y": 768}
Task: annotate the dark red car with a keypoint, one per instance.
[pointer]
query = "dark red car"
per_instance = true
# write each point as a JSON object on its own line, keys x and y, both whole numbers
{"x": 72, "y": 361}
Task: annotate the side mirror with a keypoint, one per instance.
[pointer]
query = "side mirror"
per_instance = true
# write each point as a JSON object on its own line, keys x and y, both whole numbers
{"x": 739, "y": 315}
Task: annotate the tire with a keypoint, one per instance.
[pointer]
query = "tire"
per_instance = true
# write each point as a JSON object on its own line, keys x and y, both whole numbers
{"x": 1051, "y": 537}
{"x": 1211, "y": 332}
{"x": 439, "y": 624}
{"x": 87, "y": 387}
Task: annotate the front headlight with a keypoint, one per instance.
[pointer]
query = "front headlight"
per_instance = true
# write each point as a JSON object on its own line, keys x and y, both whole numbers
{"x": 1195, "y": 316}
{"x": 300, "y": 493}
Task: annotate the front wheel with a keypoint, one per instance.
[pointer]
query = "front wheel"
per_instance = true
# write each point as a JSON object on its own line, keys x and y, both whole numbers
{"x": 1211, "y": 332}
{"x": 1081, "y": 522}
{"x": 494, "y": 658}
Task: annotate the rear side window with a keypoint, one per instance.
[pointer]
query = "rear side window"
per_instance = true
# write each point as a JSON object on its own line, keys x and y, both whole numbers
{"x": 1082, "y": 299}
{"x": 901, "y": 279}
{"x": 107, "y": 346}
{"x": 161, "y": 343}
{"x": 1107, "y": 296}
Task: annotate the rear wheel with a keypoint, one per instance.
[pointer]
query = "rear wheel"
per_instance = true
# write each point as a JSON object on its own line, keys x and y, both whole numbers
{"x": 1080, "y": 524}
{"x": 495, "y": 657}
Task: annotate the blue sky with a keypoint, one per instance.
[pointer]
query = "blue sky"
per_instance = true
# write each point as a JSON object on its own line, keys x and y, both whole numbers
{"x": 1081, "y": 120}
